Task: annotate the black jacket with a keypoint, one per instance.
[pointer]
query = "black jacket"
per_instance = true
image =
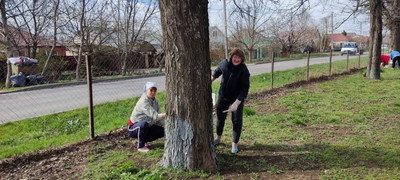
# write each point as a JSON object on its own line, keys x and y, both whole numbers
{"x": 235, "y": 81}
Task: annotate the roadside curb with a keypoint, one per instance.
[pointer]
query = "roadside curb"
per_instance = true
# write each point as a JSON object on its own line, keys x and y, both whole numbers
{"x": 56, "y": 85}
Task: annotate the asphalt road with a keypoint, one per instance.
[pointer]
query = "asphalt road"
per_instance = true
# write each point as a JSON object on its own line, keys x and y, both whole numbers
{"x": 33, "y": 103}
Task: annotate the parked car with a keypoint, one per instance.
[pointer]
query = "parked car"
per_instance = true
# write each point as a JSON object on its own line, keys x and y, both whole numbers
{"x": 349, "y": 47}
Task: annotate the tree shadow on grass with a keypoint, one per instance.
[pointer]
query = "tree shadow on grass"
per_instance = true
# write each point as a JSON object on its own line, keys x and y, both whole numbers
{"x": 262, "y": 158}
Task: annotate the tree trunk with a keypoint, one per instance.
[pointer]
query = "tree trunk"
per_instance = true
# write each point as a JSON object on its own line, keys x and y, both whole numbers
{"x": 250, "y": 54}
{"x": 56, "y": 5}
{"x": 189, "y": 131}
{"x": 373, "y": 69}
{"x": 395, "y": 26}
{"x": 8, "y": 41}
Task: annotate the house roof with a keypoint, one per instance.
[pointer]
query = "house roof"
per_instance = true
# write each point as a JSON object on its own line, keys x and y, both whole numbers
{"x": 19, "y": 36}
{"x": 338, "y": 37}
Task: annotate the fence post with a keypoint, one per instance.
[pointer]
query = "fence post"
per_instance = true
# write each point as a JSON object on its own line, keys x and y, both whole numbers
{"x": 89, "y": 83}
{"x": 347, "y": 61}
{"x": 146, "y": 59}
{"x": 359, "y": 57}
{"x": 308, "y": 65}
{"x": 330, "y": 63}
{"x": 272, "y": 70}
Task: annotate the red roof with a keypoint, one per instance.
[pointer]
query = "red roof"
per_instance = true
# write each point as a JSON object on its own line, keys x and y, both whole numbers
{"x": 338, "y": 38}
{"x": 21, "y": 37}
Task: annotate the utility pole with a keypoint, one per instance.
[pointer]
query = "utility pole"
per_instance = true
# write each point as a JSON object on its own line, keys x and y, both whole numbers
{"x": 332, "y": 28}
{"x": 226, "y": 32}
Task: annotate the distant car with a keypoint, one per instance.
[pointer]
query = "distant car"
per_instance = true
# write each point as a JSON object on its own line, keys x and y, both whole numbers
{"x": 349, "y": 47}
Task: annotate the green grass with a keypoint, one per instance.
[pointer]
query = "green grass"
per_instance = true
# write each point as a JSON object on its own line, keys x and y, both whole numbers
{"x": 72, "y": 126}
{"x": 340, "y": 129}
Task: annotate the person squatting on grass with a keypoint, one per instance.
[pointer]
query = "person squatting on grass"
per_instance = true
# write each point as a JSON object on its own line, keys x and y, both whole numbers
{"x": 395, "y": 57}
{"x": 235, "y": 84}
{"x": 146, "y": 121}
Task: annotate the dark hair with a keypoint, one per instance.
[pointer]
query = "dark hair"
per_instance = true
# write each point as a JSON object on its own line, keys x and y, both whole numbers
{"x": 238, "y": 52}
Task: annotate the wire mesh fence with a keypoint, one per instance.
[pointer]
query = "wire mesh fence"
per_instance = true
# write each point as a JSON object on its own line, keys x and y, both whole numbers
{"x": 62, "y": 91}
{"x": 62, "y": 87}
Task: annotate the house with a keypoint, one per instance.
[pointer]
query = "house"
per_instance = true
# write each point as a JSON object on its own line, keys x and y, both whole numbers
{"x": 340, "y": 38}
{"x": 260, "y": 42}
{"x": 23, "y": 40}
{"x": 217, "y": 38}
{"x": 337, "y": 40}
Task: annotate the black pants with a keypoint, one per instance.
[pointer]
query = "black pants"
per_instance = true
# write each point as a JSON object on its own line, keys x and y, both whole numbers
{"x": 145, "y": 133}
{"x": 397, "y": 58}
{"x": 237, "y": 119}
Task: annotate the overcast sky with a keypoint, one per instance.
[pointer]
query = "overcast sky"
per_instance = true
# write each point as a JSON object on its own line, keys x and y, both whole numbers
{"x": 318, "y": 10}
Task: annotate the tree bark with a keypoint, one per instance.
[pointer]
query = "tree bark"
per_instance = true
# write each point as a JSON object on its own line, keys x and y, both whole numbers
{"x": 373, "y": 69}
{"x": 6, "y": 33}
{"x": 395, "y": 26}
{"x": 189, "y": 133}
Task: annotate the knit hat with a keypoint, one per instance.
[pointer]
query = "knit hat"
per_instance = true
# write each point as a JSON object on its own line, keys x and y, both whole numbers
{"x": 149, "y": 85}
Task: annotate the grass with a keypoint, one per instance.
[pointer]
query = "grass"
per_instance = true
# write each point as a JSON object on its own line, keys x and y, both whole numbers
{"x": 341, "y": 129}
{"x": 69, "y": 127}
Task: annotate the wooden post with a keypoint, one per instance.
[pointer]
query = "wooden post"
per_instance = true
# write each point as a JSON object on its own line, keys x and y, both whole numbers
{"x": 347, "y": 61}
{"x": 146, "y": 59}
{"x": 272, "y": 71}
{"x": 359, "y": 57}
{"x": 308, "y": 65}
{"x": 89, "y": 83}
{"x": 154, "y": 60}
{"x": 330, "y": 63}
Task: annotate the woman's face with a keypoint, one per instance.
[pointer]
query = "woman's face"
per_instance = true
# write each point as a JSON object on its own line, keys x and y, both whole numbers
{"x": 151, "y": 92}
{"x": 236, "y": 60}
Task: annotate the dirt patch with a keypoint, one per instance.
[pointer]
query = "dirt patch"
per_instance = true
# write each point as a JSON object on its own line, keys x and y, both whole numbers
{"x": 61, "y": 162}
{"x": 69, "y": 162}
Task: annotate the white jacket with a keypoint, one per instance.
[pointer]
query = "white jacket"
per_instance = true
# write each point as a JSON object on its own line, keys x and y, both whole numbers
{"x": 148, "y": 110}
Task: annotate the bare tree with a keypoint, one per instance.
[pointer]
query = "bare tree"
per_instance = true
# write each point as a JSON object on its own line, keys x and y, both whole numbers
{"x": 55, "y": 10}
{"x": 289, "y": 29}
{"x": 135, "y": 17}
{"x": 248, "y": 22}
{"x": 31, "y": 17}
{"x": 188, "y": 127}
{"x": 373, "y": 69}
{"x": 90, "y": 27}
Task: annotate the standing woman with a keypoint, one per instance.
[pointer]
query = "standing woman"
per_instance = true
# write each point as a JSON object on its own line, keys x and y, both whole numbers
{"x": 146, "y": 121}
{"x": 235, "y": 84}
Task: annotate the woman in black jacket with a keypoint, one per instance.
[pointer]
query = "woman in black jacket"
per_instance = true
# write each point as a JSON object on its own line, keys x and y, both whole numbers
{"x": 235, "y": 84}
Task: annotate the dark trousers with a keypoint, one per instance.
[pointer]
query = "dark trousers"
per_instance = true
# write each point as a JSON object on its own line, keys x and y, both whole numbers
{"x": 397, "y": 58}
{"x": 237, "y": 119}
{"x": 145, "y": 133}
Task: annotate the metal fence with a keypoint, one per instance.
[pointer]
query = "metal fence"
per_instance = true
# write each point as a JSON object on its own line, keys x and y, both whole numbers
{"x": 61, "y": 92}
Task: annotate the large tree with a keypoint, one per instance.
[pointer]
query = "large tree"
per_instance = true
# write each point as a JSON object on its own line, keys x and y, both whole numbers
{"x": 375, "y": 43}
{"x": 188, "y": 127}
{"x": 392, "y": 19}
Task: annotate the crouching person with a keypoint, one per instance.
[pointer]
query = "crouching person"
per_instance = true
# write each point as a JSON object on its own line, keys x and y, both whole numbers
{"x": 146, "y": 121}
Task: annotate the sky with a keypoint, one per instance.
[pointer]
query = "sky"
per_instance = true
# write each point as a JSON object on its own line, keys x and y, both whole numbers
{"x": 318, "y": 9}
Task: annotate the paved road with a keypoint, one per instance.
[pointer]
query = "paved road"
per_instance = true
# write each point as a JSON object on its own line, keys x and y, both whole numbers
{"x": 27, "y": 104}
